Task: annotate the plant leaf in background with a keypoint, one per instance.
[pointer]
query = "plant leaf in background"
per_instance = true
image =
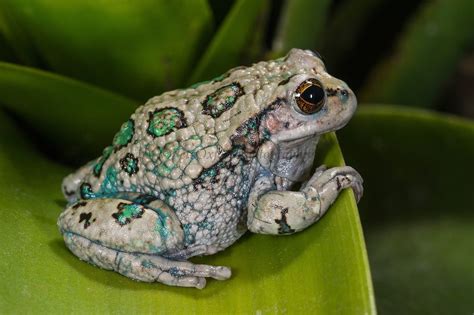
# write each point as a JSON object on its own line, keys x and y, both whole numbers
{"x": 229, "y": 43}
{"x": 301, "y": 25}
{"x": 426, "y": 56}
{"x": 343, "y": 29}
{"x": 321, "y": 270}
{"x": 75, "y": 120}
{"x": 417, "y": 208}
{"x": 137, "y": 48}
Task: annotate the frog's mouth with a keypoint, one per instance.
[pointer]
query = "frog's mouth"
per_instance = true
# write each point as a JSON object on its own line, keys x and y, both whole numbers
{"x": 302, "y": 133}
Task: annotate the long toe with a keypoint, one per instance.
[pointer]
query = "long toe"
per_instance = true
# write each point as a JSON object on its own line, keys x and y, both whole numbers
{"x": 216, "y": 272}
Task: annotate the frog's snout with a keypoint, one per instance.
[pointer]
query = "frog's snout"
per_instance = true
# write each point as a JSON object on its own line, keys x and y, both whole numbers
{"x": 342, "y": 91}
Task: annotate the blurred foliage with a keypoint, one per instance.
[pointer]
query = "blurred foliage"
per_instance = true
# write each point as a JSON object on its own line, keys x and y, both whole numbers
{"x": 86, "y": 116}
{"x": 417, "y": 208}
{"x": 72, "y": 71}
{"x": 426, "y": 55}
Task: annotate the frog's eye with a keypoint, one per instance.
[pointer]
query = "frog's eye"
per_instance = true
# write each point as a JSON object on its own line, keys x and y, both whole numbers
{"x": 310, "y": 96}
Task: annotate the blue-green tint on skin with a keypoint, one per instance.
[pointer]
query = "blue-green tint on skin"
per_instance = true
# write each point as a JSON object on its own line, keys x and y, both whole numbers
{"x": 160, "y": 226}
{"x": 105, "y": 155}
{"x": 125, "y": 134}
{"x": 164, "y": 121}
{"x": 86, "y": 191}
{"x": 109, "y": 184}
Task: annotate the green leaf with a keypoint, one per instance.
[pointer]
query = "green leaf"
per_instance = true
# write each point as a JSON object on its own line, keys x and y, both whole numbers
{"x": 322, "y": 270}
{"x": 344, "y": 27}
{"x": 72, "y": 118}
{"x": 137, "y": 48}
{"x": 229, "y": 43}
{"x": 417, "y": 209}
{"x": 301, "y": 25}
{"x": 426, "y": 56}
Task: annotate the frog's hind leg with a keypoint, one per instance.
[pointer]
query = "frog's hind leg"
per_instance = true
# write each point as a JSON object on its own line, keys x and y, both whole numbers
{"x": 143, "y": 267}
{"x": 131, "y": 239}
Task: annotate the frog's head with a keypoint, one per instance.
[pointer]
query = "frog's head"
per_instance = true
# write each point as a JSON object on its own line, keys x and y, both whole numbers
{"x": 310, "y": 103}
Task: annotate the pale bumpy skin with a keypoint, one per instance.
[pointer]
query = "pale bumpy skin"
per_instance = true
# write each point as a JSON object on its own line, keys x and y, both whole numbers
{"x": 192, "y": 170}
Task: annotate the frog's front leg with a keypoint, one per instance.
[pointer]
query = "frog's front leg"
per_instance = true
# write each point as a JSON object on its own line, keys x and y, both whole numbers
{"x": 272, "y": 211}
{"x": 135, "y": 240}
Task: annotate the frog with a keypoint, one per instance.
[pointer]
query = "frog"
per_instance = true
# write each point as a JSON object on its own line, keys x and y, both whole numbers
{"x": 194, "y": 169}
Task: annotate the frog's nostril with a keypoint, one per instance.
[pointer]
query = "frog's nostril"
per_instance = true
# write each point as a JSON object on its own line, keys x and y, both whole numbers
{"x": 343, "y": 95}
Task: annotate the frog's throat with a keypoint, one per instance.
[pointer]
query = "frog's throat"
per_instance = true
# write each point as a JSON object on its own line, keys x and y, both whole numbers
{"x": 292, "y": 159}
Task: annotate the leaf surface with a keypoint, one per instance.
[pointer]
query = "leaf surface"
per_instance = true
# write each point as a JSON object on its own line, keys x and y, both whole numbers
{"x": 75, "y": 120}
{"x": 417, "y": 209}
{"x": 321, "y": 270}
{"x": 136, "y": 48}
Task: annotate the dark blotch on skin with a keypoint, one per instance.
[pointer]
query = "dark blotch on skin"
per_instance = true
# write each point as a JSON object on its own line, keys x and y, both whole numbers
{"x": 79, "y": 204}
{"x": 144, "y": 199}
{"x": 129, "y": 164}
{"x": 286, "y": 80}
{"x": 68, "y": 192}
{"x": 331, "y": 92}
{"x": 86, "y": 218}
{"x": 284, "y": 228}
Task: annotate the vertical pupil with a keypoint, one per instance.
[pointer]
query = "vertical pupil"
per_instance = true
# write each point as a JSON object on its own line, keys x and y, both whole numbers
{"x": 313, "y": 94}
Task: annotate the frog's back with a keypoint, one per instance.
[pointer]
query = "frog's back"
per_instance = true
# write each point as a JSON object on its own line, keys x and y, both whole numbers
{"x": 176, "y": 137}
{"x": 194, "y": 149}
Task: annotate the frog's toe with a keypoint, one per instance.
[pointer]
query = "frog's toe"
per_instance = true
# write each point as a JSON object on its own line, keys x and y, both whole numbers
{"x": 216, "y": 272}
{"x": 184, "y": 281}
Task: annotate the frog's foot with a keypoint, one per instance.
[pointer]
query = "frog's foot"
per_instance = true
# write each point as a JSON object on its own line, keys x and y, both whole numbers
{"x": 329, "y": 182}
{"x": 274, "y": 211}
{"x": 131, "y": 239}
{"x": 145, "y": 267}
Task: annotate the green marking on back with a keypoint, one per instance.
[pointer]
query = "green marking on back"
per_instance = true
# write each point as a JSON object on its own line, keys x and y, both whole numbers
{"x": 125, "y": 134}
{"x": 163, "y": 121}
{"x": 222, "y": 99}
{"x": 127, "y": 212}
{"x": 105, "y": 155}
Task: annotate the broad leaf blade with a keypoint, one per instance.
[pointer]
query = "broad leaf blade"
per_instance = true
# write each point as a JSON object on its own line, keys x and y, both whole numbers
{"x": 344, "y": 29}
{"x": 230, "y": 41}
{"x": 301, "y": 25}
{"x": 137, "y": 48}
{"x": 417, "y": 209}
{"x": 322, "y": 270}
{"x": 73, "y": 118}
{"x": 425, "y": 57}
